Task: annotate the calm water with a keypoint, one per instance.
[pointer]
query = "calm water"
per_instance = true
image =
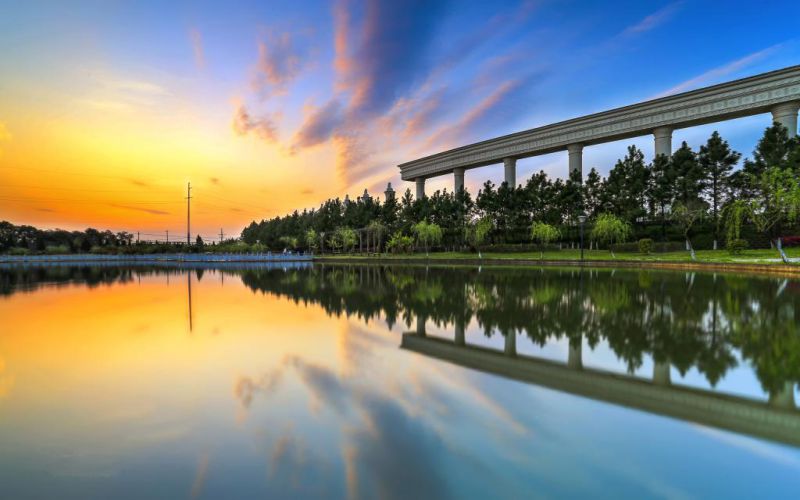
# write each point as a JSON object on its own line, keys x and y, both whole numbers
{"x": 361, "y": 382}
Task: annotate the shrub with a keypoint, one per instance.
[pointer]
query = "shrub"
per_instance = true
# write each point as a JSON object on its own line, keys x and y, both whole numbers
{"x": 17, "y": 251}
{"x": 56, "y": 249}
{"x": 736, "y": 246}
{"x": 646, "y": 246}
{"x": 399, "y": 243}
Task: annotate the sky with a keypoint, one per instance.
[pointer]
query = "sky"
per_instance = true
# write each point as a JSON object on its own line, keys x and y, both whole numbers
{"x": 109, "y": 109}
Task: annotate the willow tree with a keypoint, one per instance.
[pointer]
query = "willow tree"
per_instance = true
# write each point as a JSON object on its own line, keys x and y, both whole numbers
{"x": 427, "y": 234}
{"x": 477, "y": 232}
{"x": 610, "y": 229}
{"x": 544, "y": 234}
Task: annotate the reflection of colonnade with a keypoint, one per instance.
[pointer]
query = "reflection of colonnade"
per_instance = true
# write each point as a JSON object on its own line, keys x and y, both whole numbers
{"x": 777, "y": 420}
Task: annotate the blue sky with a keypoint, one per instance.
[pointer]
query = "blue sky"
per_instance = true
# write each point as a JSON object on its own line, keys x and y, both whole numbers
{"x": 283, "y": 104}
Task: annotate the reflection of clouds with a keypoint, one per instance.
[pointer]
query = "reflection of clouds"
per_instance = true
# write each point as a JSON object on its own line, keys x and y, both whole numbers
{"x": 245, "y": 387}
{"x": 775, "y": 454}
{"x": 387, "y": 452}
{"x": 6, "y": 380}
{"x": 200, "y": 475}
{"x": 396, "y": 453}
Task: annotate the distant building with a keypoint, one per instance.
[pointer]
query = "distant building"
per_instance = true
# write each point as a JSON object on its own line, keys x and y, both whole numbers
{"x": 366, "y": 197}
{"x": 389, "y": 193}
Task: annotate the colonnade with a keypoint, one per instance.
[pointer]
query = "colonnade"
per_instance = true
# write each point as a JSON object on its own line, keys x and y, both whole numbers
{"x": 784, "y": 114}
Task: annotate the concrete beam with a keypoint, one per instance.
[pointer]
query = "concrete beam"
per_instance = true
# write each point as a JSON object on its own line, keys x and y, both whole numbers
{"x": 748, "y": 96}
{"x": 510, "y": 165}
{"x": 786, "y": 115}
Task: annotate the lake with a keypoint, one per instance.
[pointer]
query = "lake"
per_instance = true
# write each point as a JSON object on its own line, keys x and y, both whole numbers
{"x": 336, "y": 381}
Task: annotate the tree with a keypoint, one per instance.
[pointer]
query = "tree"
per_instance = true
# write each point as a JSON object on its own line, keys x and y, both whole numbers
{"x": 544, "y": 234}
{"x": 375, "y": 232}
{"x": 689, "y": 177}
{"x": 717, "y": 161}
{"x": 778, "y": 202}
{"x": 428, "y": 234}
{"x": 592, "y": 188}
{"x": 610, "y": 229}
{"x": 312, "y": 239}
{"x": 477, "y": 232}
{"x": 344, "y": 239}
{"x": 686, "y": 215}
{"x": 199, "y": 241}
{"x": 661, "y": 189}
{"x": 625, "y": 187}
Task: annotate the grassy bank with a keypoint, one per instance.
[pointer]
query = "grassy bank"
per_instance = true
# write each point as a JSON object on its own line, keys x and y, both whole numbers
{"x": 760, "y": 257}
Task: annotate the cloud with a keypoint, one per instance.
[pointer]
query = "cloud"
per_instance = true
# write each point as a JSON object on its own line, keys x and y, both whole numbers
{"x": 715, "y": 74}
{"x": 140, "y": 183}
{"x": 387, "y": 53}
{"x": 5, "y": 135}
{"x": 654, "y": 20}
{"x": 263, "y": 127}
{"x": 319, "y": 126}
{"x": 196, "y": 39}
{"x": 49, "y": 210}
{"x": 461, "y": 130}
{"x": 214, "y": 180}
{"x": 137, "y": 86}
{"x": 151, "y": 211}
{"x": 280, "y": 60}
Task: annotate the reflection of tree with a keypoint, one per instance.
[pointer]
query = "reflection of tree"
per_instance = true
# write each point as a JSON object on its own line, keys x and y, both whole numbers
{"x": 685, "y": 320}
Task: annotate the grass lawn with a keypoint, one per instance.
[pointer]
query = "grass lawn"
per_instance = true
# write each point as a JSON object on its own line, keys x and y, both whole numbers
{"x": 713, "y": 256}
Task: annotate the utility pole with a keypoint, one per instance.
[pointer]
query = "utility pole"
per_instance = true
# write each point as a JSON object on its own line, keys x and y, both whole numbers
{"x": 137, "y": 236}
{"x": 188, "y": 206}
{"x": 167, "y": 236}
{"x": 221, "y": 235}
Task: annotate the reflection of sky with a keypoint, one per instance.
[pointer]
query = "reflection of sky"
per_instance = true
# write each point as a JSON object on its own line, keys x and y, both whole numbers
{"x": 112, "y": 396}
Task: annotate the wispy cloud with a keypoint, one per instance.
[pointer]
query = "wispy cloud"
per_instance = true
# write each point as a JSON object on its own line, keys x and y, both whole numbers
{"x": 653, "y": 20}
{"x": 243, "y": 124}
{"x": 319, "y": 126}
{"x": 151, "y": 211}
{"x": 714, "y": 75}
{"x": 280, "y": 60}
{"x": 196, "y": 39}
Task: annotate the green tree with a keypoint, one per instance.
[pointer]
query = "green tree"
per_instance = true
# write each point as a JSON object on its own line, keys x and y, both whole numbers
{"x": 661, "y": 189}
{"x": 717, "y": 161}
{"x": 544, "y": 233}
{"x": 610, "y": 229}
{"x": 689, "y": 177}
{"x": 428, "y": 234}
{"x": 477, "y": 233}
{"x": 311, "y": 239}
{"x": 686, "y": 215}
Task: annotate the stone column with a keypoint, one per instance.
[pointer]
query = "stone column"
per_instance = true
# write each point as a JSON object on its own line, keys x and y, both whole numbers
{"x": 511, "y": 171}
{"x": 786, "y": 115}
{"x": 420, "y": 188}
{"x": 575, "y": 354}
{"x": 783, "y": 398}
{"x": 458, "y": 174}
{"x": 663, "y": 137}
{"x": 460, "y": 338}
{"x": 511, "y": 343}
{"x": 661, "y": 373}
{"x": 576, "y": 159}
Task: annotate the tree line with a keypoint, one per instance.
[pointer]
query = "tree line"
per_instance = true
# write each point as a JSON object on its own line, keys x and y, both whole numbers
{"x": 699, "y": 195}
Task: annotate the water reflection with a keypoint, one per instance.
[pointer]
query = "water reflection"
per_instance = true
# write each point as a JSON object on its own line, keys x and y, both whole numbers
{"x": 291, "y": 386}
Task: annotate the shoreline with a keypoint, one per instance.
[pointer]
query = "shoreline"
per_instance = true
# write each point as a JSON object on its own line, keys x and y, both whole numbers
{"x": 777, "y": 269}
